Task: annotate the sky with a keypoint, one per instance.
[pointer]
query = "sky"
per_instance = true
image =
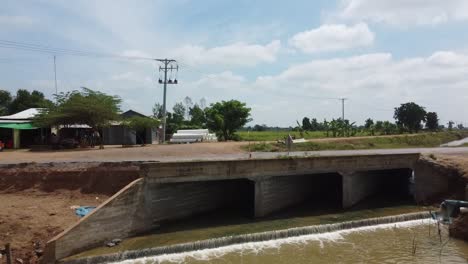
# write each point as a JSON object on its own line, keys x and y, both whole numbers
{"x": 284, "y": 59}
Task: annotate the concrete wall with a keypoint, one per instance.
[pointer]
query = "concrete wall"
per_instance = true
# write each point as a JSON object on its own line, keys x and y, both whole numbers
{"x": 173, "y": 201}
{"x": 275, "y": 193}
{"x": 434, "y": 181}
{"x": 237, "y": 169}
{"x": 177, "y": 190}
{"x": 358, "y": 186}
{"x": 118, "y": 135}
{"x": 120, "y": 216}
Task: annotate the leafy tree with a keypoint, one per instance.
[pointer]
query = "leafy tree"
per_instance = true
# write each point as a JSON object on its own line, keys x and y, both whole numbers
{"x": 178, "y": 113}
{"x": 315, "y": 126}
{"x": 389, "y": 128}
{"x": 197, "y": 115}
{"x": 224, "y": 118}
{"x": 260, "y": 127}
{"x": 140, "y": 124}
{"x": 379, "y": 126}
{"x": 432, "y": 121}
{"x": 86, "y": 107}
{"x": 450, "y": 125}
{"x": 460, "y": 126}
{"x": 306, "y": 125}
{"x": 369, "y": 126}
{"x": 326, "y": 126}
{"x": 368, "y": 123}
{"x": 409, "y": 117}
{"x": 158, "y": 111}
{"x": 25, "y": 100}
{"x": 5, "y": 101}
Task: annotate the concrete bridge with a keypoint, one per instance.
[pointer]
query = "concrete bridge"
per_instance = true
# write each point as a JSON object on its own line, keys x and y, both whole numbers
{"x": 254, "y": 187}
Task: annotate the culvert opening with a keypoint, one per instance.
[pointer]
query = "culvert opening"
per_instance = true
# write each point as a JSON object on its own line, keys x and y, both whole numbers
{"x": 300, "y": 195}
{"x": 390, "y": 188}
{"x": 212, "y": 200}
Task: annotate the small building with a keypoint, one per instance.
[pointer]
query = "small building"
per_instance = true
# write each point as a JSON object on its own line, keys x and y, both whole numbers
{"x": 118, "y": 134}
{"x": 18, "y": 131}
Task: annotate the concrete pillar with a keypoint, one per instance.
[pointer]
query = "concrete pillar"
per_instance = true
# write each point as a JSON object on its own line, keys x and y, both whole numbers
{"x": 357, "y": 186}
{"x": 276, "y": 193}
{"x": 16, "y": 139}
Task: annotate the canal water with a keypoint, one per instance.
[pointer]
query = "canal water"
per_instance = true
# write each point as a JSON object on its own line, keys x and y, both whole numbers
{"x": 415, "y": 241}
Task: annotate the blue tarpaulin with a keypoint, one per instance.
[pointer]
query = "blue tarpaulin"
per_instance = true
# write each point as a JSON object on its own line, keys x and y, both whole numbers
{"x": 84, "y": 210}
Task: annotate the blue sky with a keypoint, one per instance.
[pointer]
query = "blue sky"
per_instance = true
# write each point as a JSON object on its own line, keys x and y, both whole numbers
{"x": 281, "y": 58}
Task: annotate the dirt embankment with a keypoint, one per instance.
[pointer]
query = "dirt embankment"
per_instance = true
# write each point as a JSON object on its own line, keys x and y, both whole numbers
{"x": 448, "y": 175}
{"x": 456, "y": 168}
{"x": 36, "y": 200}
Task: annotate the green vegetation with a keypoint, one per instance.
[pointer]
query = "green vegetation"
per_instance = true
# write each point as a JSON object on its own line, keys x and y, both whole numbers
{"x": 425, "y": 140}
{"x": 223, "y": 118}
{"x": 88, "y": 107}
{"x": 201, "y": 228}
{"x": 23, "y": 100}
{"x": 409, "y": 117}
{"x": 226, "y": 117}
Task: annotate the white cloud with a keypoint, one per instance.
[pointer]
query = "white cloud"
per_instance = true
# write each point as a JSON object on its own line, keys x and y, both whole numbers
{"x": 374, "y": 83}
{"x": 333, "y": 37}
{"x": 237, "y": 54}
{"x": 15, "y": 21}
{"x": 404, "y": 12}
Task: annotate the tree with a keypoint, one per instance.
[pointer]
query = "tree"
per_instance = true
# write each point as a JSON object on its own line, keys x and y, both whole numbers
{"x": 140, "y": 124}
{"x": 178, "y": 113}
{"x": 158, "y": 111}
{"x": 315, "y": 126}
{"x": 369, "y": 126}
{"x": 368, "y": 123}
{"x": 388, "y": 128}
{"x": 258, "y": 127}
{"x": 306, "y": 125}
{"x": 378, "y": 126}
{"x": 450, "y": 125}
{"x": 409, "y": 117}
{"x": 197, "y": 115}
{"x": 5, "y": 101}
{"x": 25, "y": 100}
{"x": 224, "y": 118}
{"x": 432, "y": 121}
{"x": 86, "y": 107}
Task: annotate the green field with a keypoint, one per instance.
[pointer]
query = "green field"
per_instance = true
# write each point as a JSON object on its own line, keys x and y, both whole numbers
{"x": 425, "y": 140}
{"x": 281, "y": 135}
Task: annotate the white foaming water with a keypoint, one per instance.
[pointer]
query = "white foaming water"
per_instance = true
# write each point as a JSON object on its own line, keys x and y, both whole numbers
{"x": 258, "y": 247}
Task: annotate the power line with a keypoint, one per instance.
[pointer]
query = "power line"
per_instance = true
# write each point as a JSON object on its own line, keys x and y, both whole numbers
{"x": 61, "y": 51}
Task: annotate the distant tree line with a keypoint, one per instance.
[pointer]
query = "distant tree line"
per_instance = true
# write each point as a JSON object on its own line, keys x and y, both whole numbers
{"x": 409, "y": 118}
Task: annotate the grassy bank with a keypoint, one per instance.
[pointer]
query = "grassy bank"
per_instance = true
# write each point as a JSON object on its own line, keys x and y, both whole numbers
{"x": 425, "y": 140}
{"x": 281, "y": 135}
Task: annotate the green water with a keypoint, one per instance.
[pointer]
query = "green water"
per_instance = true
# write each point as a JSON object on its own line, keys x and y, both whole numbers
{"x": 221, "y": 224}
{"x": 405, "y": 242}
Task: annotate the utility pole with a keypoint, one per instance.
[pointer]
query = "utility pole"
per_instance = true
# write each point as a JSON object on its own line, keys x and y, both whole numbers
{"x": 55, "y": 76}
{"x": 342, "y": 107}
{"x": 168, "y": 65}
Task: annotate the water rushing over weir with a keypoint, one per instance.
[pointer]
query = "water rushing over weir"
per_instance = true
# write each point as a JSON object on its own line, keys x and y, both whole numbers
{"x": 256, "y": 240}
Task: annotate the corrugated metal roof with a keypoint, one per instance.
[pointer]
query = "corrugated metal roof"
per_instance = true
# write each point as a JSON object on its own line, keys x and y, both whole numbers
{"x": 23, "y": 115}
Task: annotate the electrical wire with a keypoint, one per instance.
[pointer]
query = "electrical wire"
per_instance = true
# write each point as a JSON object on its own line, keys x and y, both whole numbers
{"x": 60, "y": 51}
